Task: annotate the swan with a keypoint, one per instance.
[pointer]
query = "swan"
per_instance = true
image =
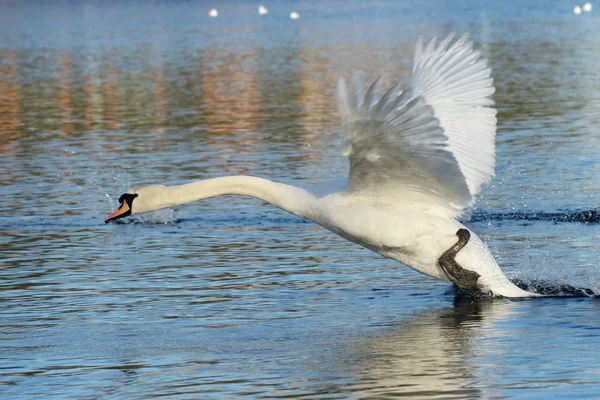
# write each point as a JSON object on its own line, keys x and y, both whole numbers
{"x": 418, "y": 158}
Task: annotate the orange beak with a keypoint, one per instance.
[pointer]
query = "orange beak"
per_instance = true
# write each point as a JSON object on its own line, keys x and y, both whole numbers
{"x": 122, "y": 211}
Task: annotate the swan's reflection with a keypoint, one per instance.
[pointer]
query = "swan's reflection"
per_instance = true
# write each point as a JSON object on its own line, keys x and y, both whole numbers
{"x": 428, "y": 355}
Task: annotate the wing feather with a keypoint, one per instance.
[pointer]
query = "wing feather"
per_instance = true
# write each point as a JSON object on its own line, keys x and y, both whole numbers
{"x": 431, "y": 144}
{"x": 456, "y": 82}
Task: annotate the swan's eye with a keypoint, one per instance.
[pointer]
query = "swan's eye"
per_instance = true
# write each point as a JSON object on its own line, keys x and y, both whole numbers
{"x": 127, "y": 198}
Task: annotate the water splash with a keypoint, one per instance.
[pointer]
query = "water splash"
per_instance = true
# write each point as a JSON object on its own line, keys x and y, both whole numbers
{"x": 122, "y": 180}
{"x": 160, "y": 217}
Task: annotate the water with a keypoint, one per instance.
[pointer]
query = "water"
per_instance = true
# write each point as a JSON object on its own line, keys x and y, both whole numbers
{"x": 232, "y": 297}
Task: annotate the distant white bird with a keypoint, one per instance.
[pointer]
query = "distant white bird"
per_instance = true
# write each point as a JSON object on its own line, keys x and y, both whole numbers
{"x": 213, "y": 13}
{"x": 587, "y": 7}
{"x": 417, "y": 158}
{"x": 262, "y": 10}
{"x": 577, "y": 10}
{"x": 294, "y": 15}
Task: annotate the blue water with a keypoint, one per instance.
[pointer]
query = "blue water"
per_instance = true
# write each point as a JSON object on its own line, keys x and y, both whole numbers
{"x": 231, "y": 297}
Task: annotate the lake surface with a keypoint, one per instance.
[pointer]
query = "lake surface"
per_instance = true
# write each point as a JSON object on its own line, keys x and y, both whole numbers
{"x": 232, "y": 297}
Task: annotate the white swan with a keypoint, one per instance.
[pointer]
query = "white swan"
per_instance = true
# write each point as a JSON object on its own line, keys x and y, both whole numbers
{"x": 417, "y": 159}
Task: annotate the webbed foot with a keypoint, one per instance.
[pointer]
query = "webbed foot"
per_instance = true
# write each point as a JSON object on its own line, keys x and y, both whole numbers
{"x": 461, "y": 277}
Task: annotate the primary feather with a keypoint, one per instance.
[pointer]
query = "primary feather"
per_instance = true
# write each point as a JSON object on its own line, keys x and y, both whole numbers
{"x": 431, "y": 145}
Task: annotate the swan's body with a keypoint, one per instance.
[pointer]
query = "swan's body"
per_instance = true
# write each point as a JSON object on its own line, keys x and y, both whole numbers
{"x": 417, "y": 159}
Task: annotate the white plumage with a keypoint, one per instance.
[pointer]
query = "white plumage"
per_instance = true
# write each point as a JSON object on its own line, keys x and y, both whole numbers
{"x": 434, "y": 140}
{"x": 417, "y": 159}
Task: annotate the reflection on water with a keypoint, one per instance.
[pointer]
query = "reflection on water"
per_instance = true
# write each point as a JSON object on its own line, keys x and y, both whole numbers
{"x": 231, "y": 297}
{"x": 467, "y": 351}
{"x": 429, "y": 353}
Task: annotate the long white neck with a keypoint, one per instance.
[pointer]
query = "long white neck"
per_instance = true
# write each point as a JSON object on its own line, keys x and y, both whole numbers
{"x": 289, "y": 198}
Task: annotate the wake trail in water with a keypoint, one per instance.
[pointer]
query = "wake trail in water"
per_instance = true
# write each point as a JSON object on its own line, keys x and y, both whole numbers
{"x": 585, "y": 216}
{"x": 167, "y": 216}
{"x": 543, "y": 287}
{"x": 550, "y": 289}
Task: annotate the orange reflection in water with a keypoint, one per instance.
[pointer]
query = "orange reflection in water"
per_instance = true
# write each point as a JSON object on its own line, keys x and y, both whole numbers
{"x": 230, "y": 93}
{"x": 231, "y": 104}
{"x": 109, "y": 90}
{"x": 9, "y": 100}
{"x": 9, "y": 114}
{"x": 316, "y": 96}
{"x": 160, "y": 114}
{"x": 65, "y": 97}
{"x": 88, "y": 114}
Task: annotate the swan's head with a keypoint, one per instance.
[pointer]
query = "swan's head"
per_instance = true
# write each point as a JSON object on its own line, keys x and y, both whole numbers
{"x": 138, "y": 201}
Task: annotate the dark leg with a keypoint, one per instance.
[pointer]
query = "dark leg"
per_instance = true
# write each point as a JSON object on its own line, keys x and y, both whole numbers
{"x": 461, "y": 277}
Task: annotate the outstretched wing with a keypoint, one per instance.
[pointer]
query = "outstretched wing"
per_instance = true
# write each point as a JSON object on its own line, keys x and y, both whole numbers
{"x": 432, "y": 144}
